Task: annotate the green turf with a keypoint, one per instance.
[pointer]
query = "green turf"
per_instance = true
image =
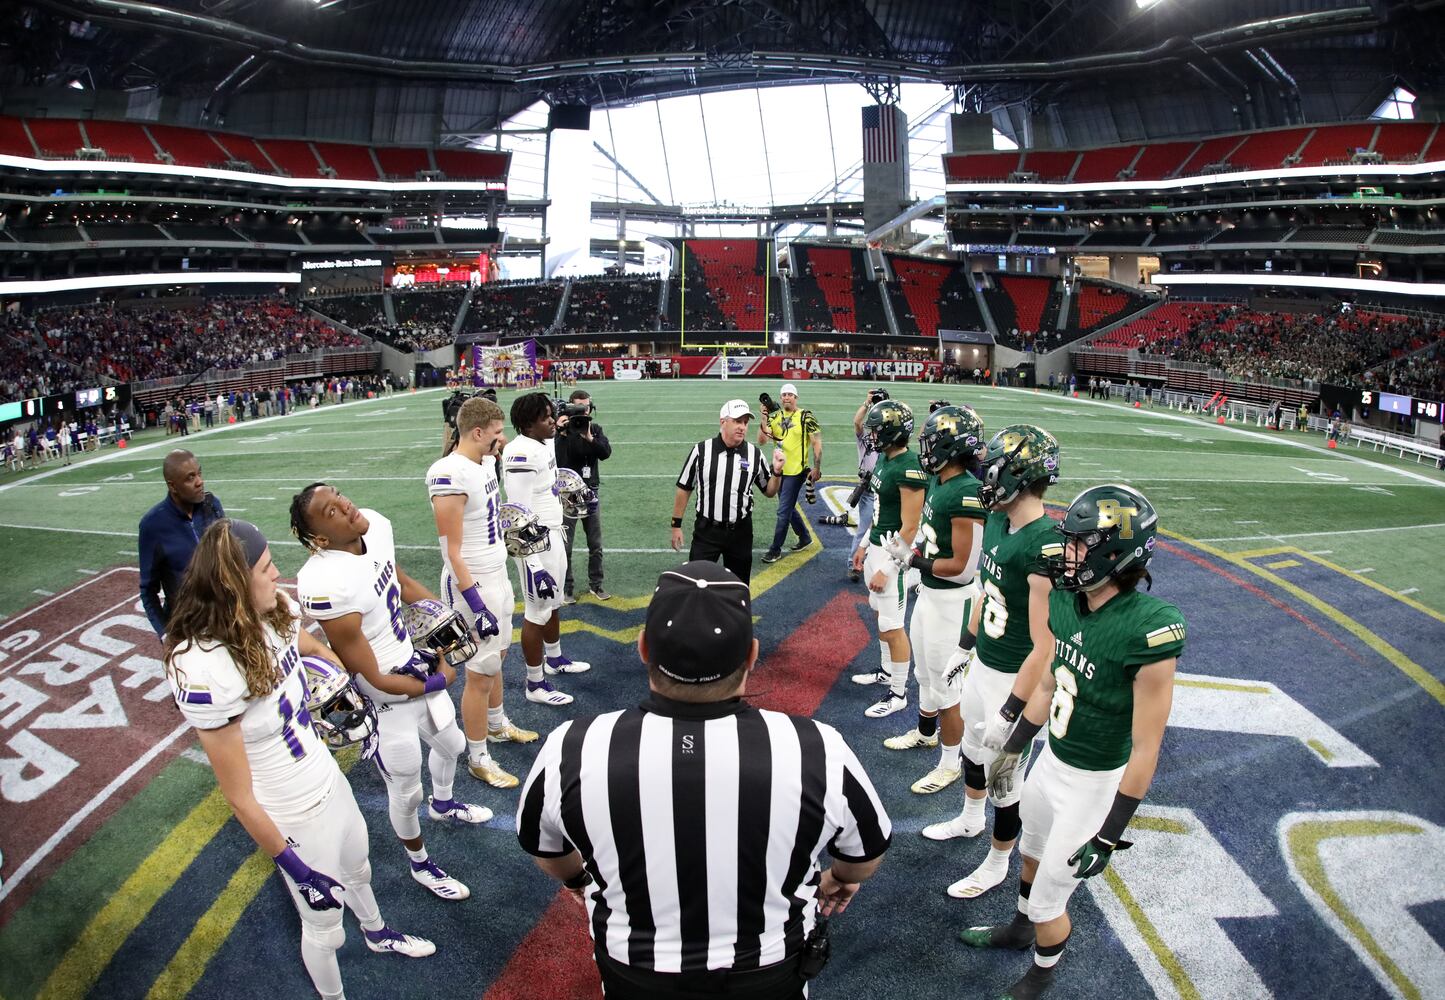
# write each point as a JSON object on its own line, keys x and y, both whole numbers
{"x": 1240, "y": 488}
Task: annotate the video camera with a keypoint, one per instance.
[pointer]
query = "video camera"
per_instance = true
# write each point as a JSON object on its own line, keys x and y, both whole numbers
{"x": 877, "y": 395}
{"x": 767, "y": 403}
{"x": 578, "y": 415}
{"x": 452, "y": 405}
{"x": 937, "y": 404}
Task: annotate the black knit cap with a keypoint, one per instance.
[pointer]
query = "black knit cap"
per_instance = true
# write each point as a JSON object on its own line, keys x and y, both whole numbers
{"x": 700, "y": 623}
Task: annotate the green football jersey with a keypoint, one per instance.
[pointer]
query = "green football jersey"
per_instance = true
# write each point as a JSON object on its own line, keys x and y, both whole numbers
{"x": 1096, "y": 656}
{"x": 891, "y": 476}
{"x": 1005, "y": 565}
{"x": 958, "y": 497}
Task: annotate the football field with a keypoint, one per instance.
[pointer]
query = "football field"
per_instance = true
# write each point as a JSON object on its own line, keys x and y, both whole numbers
{"x": 1292, "y": 843}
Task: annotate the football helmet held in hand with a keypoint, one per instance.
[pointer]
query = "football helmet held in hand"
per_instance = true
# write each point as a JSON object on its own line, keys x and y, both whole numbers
{"x": 577, "y": 498}
{"x": 523, "y": 534}
{"x": 437, "y": 629}
{"x": 338, "y": 711}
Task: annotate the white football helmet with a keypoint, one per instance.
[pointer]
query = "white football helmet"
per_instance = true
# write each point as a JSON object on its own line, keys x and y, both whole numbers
{"x": 340, "y": 713}
{"x": 576, "y": 496}
{"x": 438, "y": 629}
{"x": 523, "y": 534}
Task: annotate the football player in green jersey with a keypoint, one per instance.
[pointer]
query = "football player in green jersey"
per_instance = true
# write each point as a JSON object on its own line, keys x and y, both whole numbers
{"x": 1008, "y": 633}
{"x": 949, "y": 447}
{"x": 1106, "y": 702}
{"x": 898, "y": 484}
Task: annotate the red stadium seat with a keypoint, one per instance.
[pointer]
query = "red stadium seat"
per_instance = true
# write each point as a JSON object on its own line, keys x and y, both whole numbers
{"x": 353, "y": 163}
{"x": 1052, "y": 166}
{"x": 122, "y": 140}
{"x": 1215, "y": 150}
{"x": 1104, "y": 164}
{"x": 980, "y": 166}
{"x": 13, "y": 140}
{"x": 1403, "y": 142}
{"x": 1336, "y": 144}
{"x": 403, "y": 162}
{"x": 1029, "y": 295}
{"x": 1162, "y": 160}
{"x": 1436, "y": 149}
{"x": 468, "y": 164}
{"x": 188, "y": 147}
{"x": 1267, "y": 150}
{"x": 294, "y": 157}
{"x": 244, "y": 149}
{"x": 57, "y": 137}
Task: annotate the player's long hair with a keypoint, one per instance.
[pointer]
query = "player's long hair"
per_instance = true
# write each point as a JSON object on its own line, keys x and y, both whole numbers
{"x": 214, "y": 608}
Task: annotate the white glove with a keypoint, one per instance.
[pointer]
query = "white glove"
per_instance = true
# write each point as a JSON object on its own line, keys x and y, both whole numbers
{"x": 1002, "y": 774}
{"x": 995, "y": 732}
{"x": 896, "y": 547}
{"x": 956, "y": 669}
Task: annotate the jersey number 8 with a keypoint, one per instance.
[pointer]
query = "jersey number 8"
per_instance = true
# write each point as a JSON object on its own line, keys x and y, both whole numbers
{"x": 1061, "y": 709}
{"x": 995, "y": 611}
{"x": 930, "y": 541}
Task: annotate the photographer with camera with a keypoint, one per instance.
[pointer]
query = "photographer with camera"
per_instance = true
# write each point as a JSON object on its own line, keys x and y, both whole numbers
{"x": 794, "y": 431}
{"x": 451, "y": 406}
{"x": 581, "y": 445}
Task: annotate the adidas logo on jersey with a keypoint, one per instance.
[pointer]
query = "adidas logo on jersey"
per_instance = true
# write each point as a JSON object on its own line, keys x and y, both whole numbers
{"x": 993, "y": 551}
{"x": 1077, "y": 638}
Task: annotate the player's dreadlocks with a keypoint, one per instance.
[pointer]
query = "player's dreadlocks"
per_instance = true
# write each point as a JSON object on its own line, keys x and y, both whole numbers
{"x": 299, "y": 527}
{"x": 528, "y": 408}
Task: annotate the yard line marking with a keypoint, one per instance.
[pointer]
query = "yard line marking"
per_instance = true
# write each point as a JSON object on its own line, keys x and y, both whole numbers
{"x": 1409, "y": 590}
{"x": 1322, "y": 552}
{"x": 1183, "y": 498}
{"x": 89, "y": 572}
{"x": 43, "y": 593}
{"x": 1246, "y": 522}
{"x": 1367, "y": 569}
{"x": 1319, "y": 534}
{"x": 263, "y": 498}
{"x": 98, "y": 800}
{"x": 1210, "y": 510}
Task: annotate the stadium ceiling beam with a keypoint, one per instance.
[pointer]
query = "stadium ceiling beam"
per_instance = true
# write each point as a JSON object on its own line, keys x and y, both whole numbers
{"x": 626, "y": 173}
{"x": 152, "y": 17}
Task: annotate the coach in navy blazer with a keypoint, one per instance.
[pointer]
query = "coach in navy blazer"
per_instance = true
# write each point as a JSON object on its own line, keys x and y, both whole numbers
{"x": 169, "y": 533}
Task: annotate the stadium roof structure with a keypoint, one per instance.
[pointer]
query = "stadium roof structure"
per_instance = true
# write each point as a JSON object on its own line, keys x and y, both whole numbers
{"x": 606, "y": 52}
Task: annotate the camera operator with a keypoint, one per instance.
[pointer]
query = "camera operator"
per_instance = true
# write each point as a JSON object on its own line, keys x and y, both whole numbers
{"x": 451, "y": 406}
{"x": 581, "y": 445}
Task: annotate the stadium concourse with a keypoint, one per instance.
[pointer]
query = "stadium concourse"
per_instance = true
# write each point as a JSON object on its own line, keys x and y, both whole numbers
{"x": 1176, "y": 259}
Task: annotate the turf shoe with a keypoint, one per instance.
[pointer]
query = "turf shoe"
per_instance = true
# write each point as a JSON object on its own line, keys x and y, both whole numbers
{"x": 507, "y": 732}
{"x": 462, "y": 812}
{"x": 430, "y": 874}
{"x": 952, "y": 829}
{"x": 491, "y": 772}
{"x": 565, "y": 665}
{"x": 886, "y": 706}
{"x": 911, "y": 740}
{"x": 1031, "y": 985}
{"x": 937, "y": 780}
{"x": 1016, "y": 935}
{"x": 983, "y": 878}
{"x": 387, "y": 939}
{"x": 543, "y": 693}
{"x": 873, "y": 677}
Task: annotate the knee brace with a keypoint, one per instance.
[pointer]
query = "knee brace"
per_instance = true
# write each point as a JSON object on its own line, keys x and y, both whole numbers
{"x": 1006, "y": 822}
{"x": 450, "y": 741}
{"x": 974, "y": 776}
{"x": 486, "y": 663}
{"x": 330, "y": 937}
{"x": 402, "y": 803}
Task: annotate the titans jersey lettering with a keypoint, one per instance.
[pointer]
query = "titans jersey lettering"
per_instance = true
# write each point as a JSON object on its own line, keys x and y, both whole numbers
{"x": 1008, "y": 559}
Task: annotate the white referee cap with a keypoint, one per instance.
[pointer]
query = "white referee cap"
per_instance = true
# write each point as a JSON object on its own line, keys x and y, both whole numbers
{"x": 735, "y": 409}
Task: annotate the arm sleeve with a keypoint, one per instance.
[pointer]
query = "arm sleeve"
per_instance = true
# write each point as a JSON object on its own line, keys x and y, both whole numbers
{"x": 864, "y": 830}
{"x": 1160, "y": 636}
{"x": 539, "y": 816}
{"x": 687, "y": 478}
{"x": 150, "y": 581}
{"x": 208, "y": 688}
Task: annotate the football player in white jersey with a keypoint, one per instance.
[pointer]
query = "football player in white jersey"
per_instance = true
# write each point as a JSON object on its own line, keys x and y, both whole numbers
{"x": 353, "y": 585}
{"x": 234, "y": 645}
{"x": 466, "y": 497}
{"x": 529, "y": 473}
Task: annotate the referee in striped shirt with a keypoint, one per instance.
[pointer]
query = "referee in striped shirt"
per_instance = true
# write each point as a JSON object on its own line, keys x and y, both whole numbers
{"x": 723, "y": 471}
{"x": 691, "y": 825}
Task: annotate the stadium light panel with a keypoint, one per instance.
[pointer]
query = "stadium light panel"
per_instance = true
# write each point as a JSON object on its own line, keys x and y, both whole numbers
{"x": 1381, "y": 286}
{"x": 47, "y": 286}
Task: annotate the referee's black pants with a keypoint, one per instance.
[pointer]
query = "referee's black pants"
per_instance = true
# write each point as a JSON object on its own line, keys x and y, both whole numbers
{"x": 734, "y": 542}
{"x": 773, "y": 982}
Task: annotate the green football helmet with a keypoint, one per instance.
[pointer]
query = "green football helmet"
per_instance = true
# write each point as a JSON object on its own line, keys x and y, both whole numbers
{"x": 950, "y": 432}
{"x": 1018, "y": 455}
{"x": 889, "y": 424}
{"x": 1118, "y": 528}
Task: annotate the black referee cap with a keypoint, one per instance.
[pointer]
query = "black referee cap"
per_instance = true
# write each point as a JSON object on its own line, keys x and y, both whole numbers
{"x": 700, "y": 623}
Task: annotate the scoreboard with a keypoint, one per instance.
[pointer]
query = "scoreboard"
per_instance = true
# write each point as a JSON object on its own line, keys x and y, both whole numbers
{"x": 65, "y": 403}
{"x": 1429, "y": 410}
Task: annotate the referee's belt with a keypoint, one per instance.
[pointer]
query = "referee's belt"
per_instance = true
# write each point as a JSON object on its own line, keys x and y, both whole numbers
{"x": 784, "y": 975}
{"x": 744, "y": 522}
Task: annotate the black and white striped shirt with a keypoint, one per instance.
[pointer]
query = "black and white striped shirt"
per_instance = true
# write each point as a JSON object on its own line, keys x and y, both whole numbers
{"x": 701, "y": 825}
{"x": 724, "y": 477}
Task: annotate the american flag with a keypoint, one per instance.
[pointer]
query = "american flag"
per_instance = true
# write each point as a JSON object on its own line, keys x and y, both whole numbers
{"x": 880, "y": 136}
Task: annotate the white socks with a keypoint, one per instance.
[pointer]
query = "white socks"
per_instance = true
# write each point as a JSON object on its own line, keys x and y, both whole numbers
{"x": 477, "y": 751}
{"x": 496, "y": 717}
{"x": 418, "y": 856}
{"x": 897, "y": 676}
{"x": 552, "y": 649}
{"x": 949, "y": 758}
{"x": 534, "y": 673}
{"x": 973, "y": 810}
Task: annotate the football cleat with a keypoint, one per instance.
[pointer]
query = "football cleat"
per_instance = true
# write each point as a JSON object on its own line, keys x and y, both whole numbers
{"x": 876, "y": 677}
{"x": 543, "y": 693}
{"x": 911, "y": 740}
{"x": 387, "y": 939}
{"x": 509, "y": 733}
{"x": 462, "y": 812}
{"x": 981, "y": 880}
{"x": 430, "y": 874}
{"x": 1016, "y": 936}
{"x": 491, "y": 772}
{"x": 937, "y": 780}
{"x": 952, "y": 829}
{"x": 565, "y": 665}
{"x": 889, "y": 704}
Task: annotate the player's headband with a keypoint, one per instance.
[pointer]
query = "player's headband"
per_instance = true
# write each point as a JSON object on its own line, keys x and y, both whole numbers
{"x": 253, "y": 543}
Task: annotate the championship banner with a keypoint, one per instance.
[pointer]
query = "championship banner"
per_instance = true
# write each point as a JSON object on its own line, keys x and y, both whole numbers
{"x": 769, "y": 366}
{"x": 506, "y": 365}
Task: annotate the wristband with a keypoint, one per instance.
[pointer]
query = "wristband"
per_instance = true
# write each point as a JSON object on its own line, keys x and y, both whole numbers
{"x": 1022, "y": 735}
{"x": 921, "y": 564}
{"x": 292, "y": 865}
{"x": 579, "y": 881}
{"x": 473, "y": 596}
{"x": 967, "y": 640}
{"x": 435, "y": 682}
{"x": 1119, "y": 816}
{"x": 1012, "y": 706}
{"x": 677, "y": 522}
